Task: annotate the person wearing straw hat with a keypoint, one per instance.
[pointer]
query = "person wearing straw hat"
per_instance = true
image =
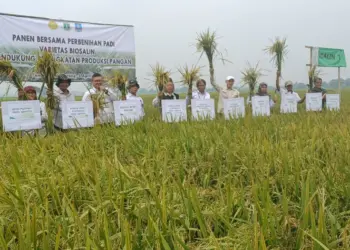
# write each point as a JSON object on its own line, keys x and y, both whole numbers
{"x": 226, "y": 93}
{"x": 30, "y": 93}
{"x": 62, "y": 94}
{"x": 133, "y": 87}
{"x": 288, "y": 90}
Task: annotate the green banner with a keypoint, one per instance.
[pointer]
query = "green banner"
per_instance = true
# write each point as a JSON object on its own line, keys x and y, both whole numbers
{"x": 331, "y": 57}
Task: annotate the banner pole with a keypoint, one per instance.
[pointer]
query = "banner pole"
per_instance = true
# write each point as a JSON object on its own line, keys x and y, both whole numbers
{"x": 339, "y": 80}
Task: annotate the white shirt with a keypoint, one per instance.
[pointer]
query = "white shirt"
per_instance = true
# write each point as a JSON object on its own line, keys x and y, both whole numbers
{"x": 130, "y": 96}
{"x": 106, "y": 112}
{"x": 57, "y": 112}
{"x": 286, "y": 92}
{"x": 197, "y": 95}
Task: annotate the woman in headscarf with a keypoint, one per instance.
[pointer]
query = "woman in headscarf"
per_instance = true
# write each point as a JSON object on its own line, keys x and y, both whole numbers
{"x": 30, "y": 93}
{"x": 262, "y": 91}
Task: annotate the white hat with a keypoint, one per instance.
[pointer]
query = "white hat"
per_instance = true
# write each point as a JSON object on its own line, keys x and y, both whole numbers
{"x": 288, "y": 83}
{"x": 229, "y": 78}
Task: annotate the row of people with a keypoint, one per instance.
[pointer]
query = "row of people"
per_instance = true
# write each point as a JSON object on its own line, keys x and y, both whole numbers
{"x": 63, "y": 94}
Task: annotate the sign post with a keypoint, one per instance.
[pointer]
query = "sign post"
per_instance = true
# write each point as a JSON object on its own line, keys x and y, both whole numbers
{"x": 327, "y": 57}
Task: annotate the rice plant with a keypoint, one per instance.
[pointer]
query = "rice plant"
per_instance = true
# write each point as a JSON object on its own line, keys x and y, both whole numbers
{"x": 207, "y": 43}
{"x": 251, "y": 76}
{"x": 188, "y": 77}
{"x": 47, "y": 66}
{"x": 278, "y": 51}
{"x": 119, "y": 81}
{"x": 7, "y": 70}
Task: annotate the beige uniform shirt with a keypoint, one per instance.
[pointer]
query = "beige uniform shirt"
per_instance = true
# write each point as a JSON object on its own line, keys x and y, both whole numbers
{"x": 225, "y": 93}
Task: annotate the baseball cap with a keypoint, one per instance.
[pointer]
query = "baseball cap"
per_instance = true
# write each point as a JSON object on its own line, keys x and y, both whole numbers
{"x": 288, "y": 83}
{"x": 229, "y": 78}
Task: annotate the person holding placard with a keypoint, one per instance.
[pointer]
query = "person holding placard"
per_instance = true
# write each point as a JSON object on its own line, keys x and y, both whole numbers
{"x": 288, "y": 90}
{"x": 167, "y": 95}
{"x": 226, "y": 93}
{"x": 318, "y": 89}
{"x": 262, "y": 91}
{"x": 106, "y": 114}
{"x": 61, "y": 95}
{"x": 30, "y": 93}
{"x": 133, "y": 87}
{"x": 200, "y": 93}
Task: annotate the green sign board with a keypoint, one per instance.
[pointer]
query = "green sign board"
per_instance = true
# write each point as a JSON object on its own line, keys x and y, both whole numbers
{"x": 330, "y": 57}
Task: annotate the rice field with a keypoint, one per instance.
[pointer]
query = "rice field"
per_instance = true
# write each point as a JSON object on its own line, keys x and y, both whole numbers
{"x": 279, "y": 182}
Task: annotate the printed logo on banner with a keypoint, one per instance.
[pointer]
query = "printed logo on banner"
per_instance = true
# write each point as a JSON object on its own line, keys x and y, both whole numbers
{"x": 78, "y": 27}
{"x": 52, "y": 25}
{"x": 66, "y": 26}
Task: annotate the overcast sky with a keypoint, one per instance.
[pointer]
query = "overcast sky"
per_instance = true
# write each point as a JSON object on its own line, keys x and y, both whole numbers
{"x": 165, "y": 30}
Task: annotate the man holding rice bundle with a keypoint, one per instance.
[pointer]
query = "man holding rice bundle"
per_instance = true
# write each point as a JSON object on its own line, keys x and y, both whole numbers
{"x": 102, "y": 98}
{"x": 226, "y": 93}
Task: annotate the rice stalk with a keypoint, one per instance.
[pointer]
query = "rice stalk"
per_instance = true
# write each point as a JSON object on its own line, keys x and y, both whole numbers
{"x": 119, "y": 80}
{"x": 47, "y": 66}
{"x": 313, "y": 73}
{"x": 207, "y": 43}
{"x": 251, "y": 76}
{"x": 7, "y": 70}
{"x": 160, "y": 76}
{"x": 278, "y": 52}
{"x": 188, "y": 77}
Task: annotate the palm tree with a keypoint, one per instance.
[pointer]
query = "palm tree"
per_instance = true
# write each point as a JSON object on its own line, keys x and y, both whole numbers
{"x": 189, "y": 76}
{"x": 278, "y": 51}
{"x": 206, "y": 43}
{"x": 251, "y": 77}
{"x": 48, "y": 67}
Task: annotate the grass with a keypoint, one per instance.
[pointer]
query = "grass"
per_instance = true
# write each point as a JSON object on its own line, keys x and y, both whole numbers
{"x": 279, "y": 182}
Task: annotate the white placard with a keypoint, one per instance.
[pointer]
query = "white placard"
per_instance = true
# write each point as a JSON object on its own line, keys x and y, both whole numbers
{"x": 333, "y": 101}
{"x": 313, "y": 101}
{"x": 261, "y": 105}
{"x": 77, "y": 114}
{"x": 21, "y": 115}
{"x": 234, "y": 108}
{"x": 127, "y": 112}
{"x": 289, "y": 104}
{"x": 203, "y": 109}
{"x": 174, "y": 110}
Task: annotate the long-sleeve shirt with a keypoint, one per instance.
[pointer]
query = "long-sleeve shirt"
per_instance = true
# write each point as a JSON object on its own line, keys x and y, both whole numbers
{"x": 198, "y": 96}
{"x": 166, "y": 96}
{"x": 107, "y": 111}
{"x": 283, "y": 91}
{"x": 225, "y": 93}
{"x": 60, "y": 98}
{"x": 130, "y": 96}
